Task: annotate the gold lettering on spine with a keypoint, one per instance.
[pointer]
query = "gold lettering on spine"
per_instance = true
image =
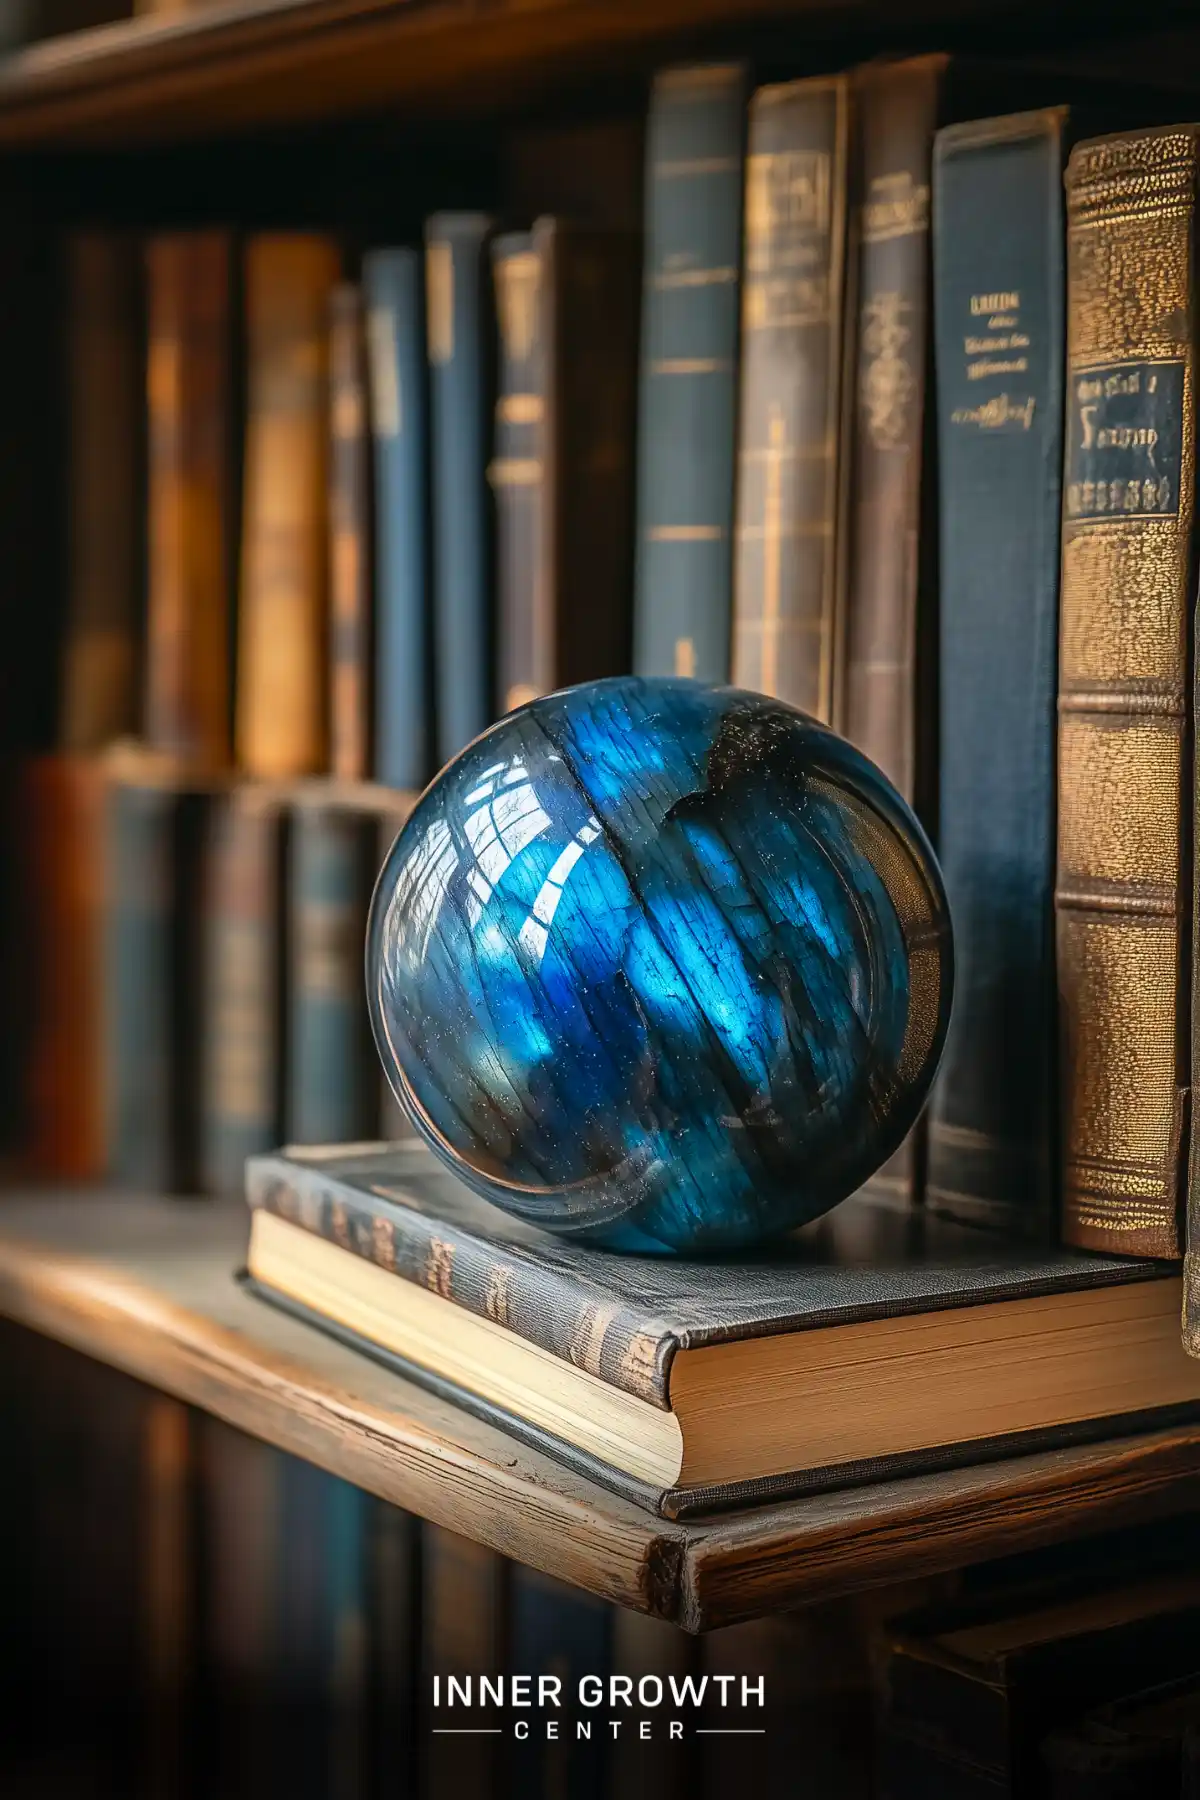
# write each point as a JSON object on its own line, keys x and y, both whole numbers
{"x": 439, "y": 1267}
{"x": 773, "y": 552}
{"x": 439, "y": 301}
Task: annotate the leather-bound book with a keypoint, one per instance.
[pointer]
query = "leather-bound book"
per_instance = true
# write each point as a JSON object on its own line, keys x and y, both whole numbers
{"x": 889, "y": 569}
{"x": 566, "y": 299}
{"x": 394, "y": 285}
{"x": 350, "y": 584}
{"x": 999, "y": 300}
{"x": 786, "y": 635}
{"x": 332, "y": 1077}
{"x": 60, "y": 827}
{"x": 105, "y": 456}
{"x": 1124, "y": 781}
{"x": 187, "y": 712}
{"x": 460, "y": 326}
{"x": 245, "y": 876}
{"x": 687, "y": 405}
{"x": 283, "y": 624}
{"x": 153, "y": 982}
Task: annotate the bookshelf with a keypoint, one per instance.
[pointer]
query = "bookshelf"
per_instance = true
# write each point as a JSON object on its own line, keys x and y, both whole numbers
{"x": 144, "y": 1286}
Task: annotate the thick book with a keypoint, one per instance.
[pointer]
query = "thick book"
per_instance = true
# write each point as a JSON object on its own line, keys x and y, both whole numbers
{"x": 282, "y": 711}
{"x": 786, "y": 618}
{"x": 350, "y": 576}
{"x": 189, "y": 501}
{"x": 60, "y": 825}
{"x": 628, "y": 1366}
{"x": 971, "y": 1691}
{"x": 105, "y": 474}
{"x": 560, "y": 1634}
{"x": 393, "y": 287}
{"x": 562, "y": 472}
{"x": 244, "y": 962}
{"x": 154, "y": 1001}
{"x": 998, "y": 243}
{"x": 465, "y": 1633}
{"x": 332, "y": 1090}
{"x": 687, "y": 404}
{"x": 460, "y": 327}
{"x": 1124, "y": 784}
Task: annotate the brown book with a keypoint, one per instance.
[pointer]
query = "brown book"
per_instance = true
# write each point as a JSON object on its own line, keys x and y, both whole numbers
{"x": 349, "y": 540}
{"x": 105, "y": 426}
{"x": 889, "y": 583}
{"x": 1128, "y": 585}
{"x": 567, "y": 301}
{"x": 189, "y": 496}
{"x": 786, "y": 628}
{"x": 60, "y": 826}
{"x": 283, "y": 626}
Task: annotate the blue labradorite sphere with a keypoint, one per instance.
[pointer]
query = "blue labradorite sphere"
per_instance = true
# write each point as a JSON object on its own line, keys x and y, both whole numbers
{"x": 661, "y": 965}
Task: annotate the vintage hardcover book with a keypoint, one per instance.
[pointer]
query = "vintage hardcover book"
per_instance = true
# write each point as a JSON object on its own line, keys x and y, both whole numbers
{"x": 889, "y": 573}
{"x": 562, "y": 474}
{"x": 1128, "y": 583}
{"x": 465, "y": 1620}
{"x": 627, "y": 1366}
{"x": 393, "y": 1626}
{"x": 786, "y": 630}
{"x": 393, "y": 286}
{"x": 189, "y": 497}
{"x": 999, "y": 302}
{"x": 60, "y": 814}
{"x": 154, "y": 1008}
{"x": 244, "y": 955}
{"x": 460, "y": 327}
{"x": 560, "y": 1632}
{"x": 332, "y": 1089}
{"x": 350, "y": 582}
{"x": 969, "y": 1695}
{"x": 283, "y": 624}
{"x": 687, "y": 405}
{"x": 105, "y": 399}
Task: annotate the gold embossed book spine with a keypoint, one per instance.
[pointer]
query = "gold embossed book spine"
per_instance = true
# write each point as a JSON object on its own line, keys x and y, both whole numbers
{"x": 1124, "y": 783}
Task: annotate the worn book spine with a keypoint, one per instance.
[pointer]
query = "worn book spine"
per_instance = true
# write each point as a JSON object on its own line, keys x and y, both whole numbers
{"x": 106, "y": 454}
{"x": 787, "y": 628}
{"x": 465, "y": 1609}
{"x": 187, "y": 709}
{"x": 528, "y": 1294}
{"x": 244, "y": 962}
{"x": 559, "y": 1633}
{"x": 999, "y": 302}
{"x": 1128, "y": 583}
{"x": 332, "y": 1089}
{"x": 889, "y": 710}
{"x": 517, "y": 471}
{"x": 393, "y": 284}
{"x": 153, "y": 990}
{"x": 460, "y": 329}
{"x": 687, "y": 406}
{"x": 60, "y": 826}
{"x": 350, "y": 584}
{"x": 282, "y": 707}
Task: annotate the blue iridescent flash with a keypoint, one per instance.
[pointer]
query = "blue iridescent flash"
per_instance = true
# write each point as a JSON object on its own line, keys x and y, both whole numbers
{"x": 662, "y": 965}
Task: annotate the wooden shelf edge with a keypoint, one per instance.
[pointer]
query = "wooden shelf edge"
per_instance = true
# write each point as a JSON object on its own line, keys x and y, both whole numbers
{"x": 146, "y": 1286}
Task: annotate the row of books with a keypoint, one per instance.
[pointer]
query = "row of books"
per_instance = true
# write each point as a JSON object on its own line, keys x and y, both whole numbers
{"x": 214, "y": 1617}
{"x": 794, "y": 491}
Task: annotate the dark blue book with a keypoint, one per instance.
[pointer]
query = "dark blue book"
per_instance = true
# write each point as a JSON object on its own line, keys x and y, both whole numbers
{"x": 393, "y": 284}
{"x": 999, "y": 340}
{"x": 560, "y": 1634}
{"x": 332, "y": 1078}
{"x": 687, "y": 407}
{"x": 461, "y": 330}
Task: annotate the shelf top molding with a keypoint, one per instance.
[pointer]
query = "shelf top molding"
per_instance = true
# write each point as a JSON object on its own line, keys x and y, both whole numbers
{"x": 234, "y": 65}
{"x": 147, "y": 1286}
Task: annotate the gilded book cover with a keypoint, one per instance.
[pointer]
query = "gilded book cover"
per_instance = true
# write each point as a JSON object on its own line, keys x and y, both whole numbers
{"x": 1128, "y": 576}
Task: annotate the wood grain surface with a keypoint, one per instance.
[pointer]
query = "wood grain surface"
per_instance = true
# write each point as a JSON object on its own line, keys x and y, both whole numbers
{"x": 147, "y": 1286}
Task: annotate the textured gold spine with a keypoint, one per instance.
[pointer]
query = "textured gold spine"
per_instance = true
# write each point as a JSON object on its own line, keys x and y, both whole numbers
{"x": 1124, "y": 784}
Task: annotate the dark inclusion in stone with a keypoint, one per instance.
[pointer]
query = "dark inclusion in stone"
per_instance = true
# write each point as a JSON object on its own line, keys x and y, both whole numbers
{"x": 661, "y": 965}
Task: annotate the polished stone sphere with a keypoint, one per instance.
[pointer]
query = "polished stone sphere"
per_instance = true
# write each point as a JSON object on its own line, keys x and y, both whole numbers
{"x": 661, "y": 965}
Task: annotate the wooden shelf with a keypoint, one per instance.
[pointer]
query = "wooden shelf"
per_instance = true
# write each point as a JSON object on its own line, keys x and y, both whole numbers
{"x": 232, "y": 65}
{"x": 147, "y": 1286}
